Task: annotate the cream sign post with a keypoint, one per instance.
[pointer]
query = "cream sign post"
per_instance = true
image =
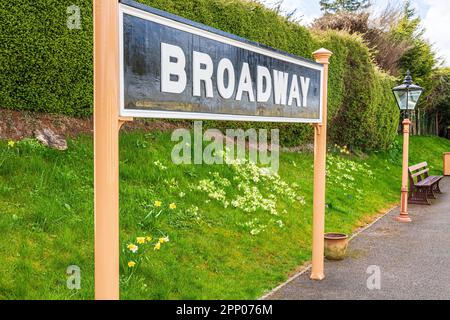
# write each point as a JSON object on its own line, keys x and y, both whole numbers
{"x": 152, "y": 64}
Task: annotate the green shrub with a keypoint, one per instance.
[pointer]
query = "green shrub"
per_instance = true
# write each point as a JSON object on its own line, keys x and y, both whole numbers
{"x": 363, "y": 112}
{"x": 46, "y": 67}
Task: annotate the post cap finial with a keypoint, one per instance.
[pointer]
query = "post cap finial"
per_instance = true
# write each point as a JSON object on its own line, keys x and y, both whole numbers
{"x": 408, "y": 79}
{"x": 322, "y": 55}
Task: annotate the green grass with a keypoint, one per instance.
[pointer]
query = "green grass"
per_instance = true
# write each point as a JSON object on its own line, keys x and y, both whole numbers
{"x": 46, "y": 218}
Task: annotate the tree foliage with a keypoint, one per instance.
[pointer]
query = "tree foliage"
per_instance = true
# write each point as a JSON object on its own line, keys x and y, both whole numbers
{"x": 386, "y": 50}
{"x": 396, "y": 39}
{"x": 420, "y": 58}
{"x": 438, "y": 100}
{"x": 333, "y": 6}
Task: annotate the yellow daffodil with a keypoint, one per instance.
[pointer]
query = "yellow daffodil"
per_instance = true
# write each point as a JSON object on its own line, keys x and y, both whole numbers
{"x": 140, "y": 240}
{"x": 11, "y": 144}
{"x": 148, "y": 239}
{"x": 158, "y": 203}
{"x": 157, "y": 246}
{"x": 172, "y": 206}
{"x": 133, "y": 248}
{"x": 131, "y": 264}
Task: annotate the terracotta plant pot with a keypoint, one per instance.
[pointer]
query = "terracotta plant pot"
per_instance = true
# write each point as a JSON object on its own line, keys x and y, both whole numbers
{"x": 335, "y": 246}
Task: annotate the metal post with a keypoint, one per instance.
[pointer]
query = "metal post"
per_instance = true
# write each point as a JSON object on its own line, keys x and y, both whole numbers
{"x": 320, "y": 153}
{"x": 106, "y": 148}
{"x": 404, "y": 217}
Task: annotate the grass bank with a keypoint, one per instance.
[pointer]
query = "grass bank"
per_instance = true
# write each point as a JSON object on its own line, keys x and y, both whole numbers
{"x": 205, "y": 232}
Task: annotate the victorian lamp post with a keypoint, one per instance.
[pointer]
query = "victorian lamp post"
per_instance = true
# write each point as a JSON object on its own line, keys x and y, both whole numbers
{"x": 407, "y": 96}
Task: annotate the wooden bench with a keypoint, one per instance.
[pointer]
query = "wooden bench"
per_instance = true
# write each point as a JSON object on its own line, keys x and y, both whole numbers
{"x": 422, "y": 186}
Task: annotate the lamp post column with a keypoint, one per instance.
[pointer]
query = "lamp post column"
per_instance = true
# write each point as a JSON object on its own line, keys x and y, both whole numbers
{"x": 404, "y": 217}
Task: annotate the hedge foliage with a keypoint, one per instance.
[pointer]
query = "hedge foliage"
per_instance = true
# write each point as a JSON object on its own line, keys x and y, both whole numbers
{"x": 362, "y": 109}
{"x": 45, "y": 66}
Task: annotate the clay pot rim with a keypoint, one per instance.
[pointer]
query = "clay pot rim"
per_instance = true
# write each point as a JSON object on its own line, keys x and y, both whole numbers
{"x": 335, "y": 236}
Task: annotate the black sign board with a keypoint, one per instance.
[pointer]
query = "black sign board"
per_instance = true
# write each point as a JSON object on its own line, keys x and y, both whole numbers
{"x": 175, "y": 68}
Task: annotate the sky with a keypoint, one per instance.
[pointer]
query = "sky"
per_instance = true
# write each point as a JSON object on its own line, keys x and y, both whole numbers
{"x": 434, "y": 13}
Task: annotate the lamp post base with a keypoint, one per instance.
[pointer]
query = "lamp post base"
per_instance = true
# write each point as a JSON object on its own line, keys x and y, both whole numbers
{"x": 403, "y": 218}
{"x": 318, "y": 277}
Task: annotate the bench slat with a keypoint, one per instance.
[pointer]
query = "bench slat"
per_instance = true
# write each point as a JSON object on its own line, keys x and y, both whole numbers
{"x": 418, "y": 166}
{"x": 415, "y": 175}
{"x": 428, "y": 182}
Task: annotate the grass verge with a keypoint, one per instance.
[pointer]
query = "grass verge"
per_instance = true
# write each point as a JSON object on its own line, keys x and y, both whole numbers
{"x": 217, "y": 232}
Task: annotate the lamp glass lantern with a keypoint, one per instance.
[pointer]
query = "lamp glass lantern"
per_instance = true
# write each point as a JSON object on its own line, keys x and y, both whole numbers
{"x": 407, "y": 94}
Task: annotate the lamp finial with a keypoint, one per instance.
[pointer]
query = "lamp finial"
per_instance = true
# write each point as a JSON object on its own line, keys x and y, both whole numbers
{"x": 408, "y": 78}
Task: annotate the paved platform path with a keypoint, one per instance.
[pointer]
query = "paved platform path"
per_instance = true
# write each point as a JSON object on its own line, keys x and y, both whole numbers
{"x": 414, "y": 260}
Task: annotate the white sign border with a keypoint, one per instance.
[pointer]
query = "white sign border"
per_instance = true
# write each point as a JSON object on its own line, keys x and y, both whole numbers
{"x": 157, "y": 114}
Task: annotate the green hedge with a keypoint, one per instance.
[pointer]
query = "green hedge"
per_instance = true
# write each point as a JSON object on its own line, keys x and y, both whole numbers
{"x": 46, "y": 67}
{"x": 363, "y": 112}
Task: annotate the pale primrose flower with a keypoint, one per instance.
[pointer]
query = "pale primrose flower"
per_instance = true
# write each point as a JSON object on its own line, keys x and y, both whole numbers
{"x": 131, "y": 264}
{"x": 140, "y": 240}
{"x": 164, "y": 240}
{"x": 133, "y": 248}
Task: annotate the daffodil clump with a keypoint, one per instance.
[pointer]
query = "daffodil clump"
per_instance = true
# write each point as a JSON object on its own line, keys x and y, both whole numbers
{"x": 135, "y": 252}
{"x": 21, "y": 146}
{"x": 343, "y": 150}
{"x": 155, "y": 210}
{"x": 160, "y": 205}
